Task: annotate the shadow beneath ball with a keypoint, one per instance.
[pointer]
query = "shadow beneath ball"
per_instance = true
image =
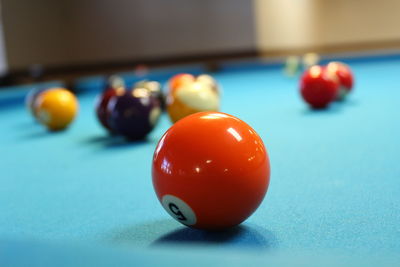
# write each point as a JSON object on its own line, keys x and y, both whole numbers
{"x": 113, "y": 141}
{"x": 39, "y": 133}
{"x": 25, "y": 125}
{"x": 167, "y": 232}
{"x": 35, "y": 135}
{"x": 98, "y": 139}
{"x": 334, "y": 108}
{"x": 350, "y": 102}
{"x": 142, "y": 233}
{"x": 242, "y": 236}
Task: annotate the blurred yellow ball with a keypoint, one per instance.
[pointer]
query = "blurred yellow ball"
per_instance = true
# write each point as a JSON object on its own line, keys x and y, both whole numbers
{"x": 56, "y": 108}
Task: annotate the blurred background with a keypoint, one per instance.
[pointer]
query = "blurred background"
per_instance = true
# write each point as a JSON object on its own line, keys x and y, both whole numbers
{"x": 69, "y": 38}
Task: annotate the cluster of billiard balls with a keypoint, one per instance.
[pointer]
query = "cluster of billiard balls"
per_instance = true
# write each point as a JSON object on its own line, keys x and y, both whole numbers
{"x": 196, "y": 181}
{"x": 210, "y": 170}
{"x": 55, "y": 108}
{"x": 134, "y": 112}
{"x": 321, "y": 85}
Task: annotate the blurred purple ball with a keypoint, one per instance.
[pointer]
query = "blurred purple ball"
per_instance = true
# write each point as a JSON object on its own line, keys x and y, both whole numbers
{"x": 134, "y": 114}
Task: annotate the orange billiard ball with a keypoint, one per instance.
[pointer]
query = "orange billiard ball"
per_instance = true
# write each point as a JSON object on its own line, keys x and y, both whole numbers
{"x": 178, "y": 81}
{"x": 56, "y": 108}
{"x": 191, "y": 98}
{"x": 210, "y": 171}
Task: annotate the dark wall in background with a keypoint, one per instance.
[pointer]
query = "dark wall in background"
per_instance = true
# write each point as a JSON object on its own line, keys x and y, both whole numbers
{"x": 62, "y": 32}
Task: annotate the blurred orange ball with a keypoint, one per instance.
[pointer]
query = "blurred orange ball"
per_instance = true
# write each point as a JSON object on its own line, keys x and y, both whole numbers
{"x": 191, "y": 98}
{"x": 209, "y": 81}
{"x": 179, "y": 81}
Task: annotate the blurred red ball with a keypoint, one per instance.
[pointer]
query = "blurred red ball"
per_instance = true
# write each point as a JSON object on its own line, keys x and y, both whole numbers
{"x": 345, "y": 77}
{"x": 319, "y": 87}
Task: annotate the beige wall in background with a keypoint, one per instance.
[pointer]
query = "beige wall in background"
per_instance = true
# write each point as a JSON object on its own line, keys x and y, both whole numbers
{"x": 60, "y": 32}
{"x": 304, "y": 24}
{"x": 357, "y": 21}
{"x": 284, "y": 24}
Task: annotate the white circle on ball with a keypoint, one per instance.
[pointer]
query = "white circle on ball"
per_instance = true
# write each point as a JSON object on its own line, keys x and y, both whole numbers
{"x": 179, "y": 210}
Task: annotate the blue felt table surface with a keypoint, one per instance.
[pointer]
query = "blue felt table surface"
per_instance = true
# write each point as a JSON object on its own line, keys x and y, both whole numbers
{"x": 335, "y": 183}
